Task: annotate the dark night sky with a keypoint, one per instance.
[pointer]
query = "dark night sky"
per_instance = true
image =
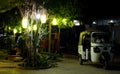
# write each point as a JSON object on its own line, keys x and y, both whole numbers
{"x": 103, "y": 8}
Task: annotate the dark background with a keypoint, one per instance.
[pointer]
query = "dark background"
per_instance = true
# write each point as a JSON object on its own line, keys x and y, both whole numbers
{"x": 103, "y": 8}
{"x": 93, "y": 9}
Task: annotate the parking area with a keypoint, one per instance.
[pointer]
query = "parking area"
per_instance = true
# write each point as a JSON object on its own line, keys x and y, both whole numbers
{"x": 67, "y": 65}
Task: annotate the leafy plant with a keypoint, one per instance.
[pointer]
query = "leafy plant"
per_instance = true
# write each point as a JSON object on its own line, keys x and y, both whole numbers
{"x": 41, "y": 61}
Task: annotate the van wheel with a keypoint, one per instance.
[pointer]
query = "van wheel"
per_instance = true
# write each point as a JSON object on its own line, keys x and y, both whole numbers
{"x": 105, "y": 64}
{"x": 104, "y": 61}
{"x": 80, "y": 60}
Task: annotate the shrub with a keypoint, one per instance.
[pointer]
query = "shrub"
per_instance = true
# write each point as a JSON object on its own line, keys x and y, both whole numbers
{"x": 40, "y": 61}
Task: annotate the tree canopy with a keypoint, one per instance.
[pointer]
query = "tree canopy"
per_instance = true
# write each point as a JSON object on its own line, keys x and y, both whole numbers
{"x": 69, "y": 9}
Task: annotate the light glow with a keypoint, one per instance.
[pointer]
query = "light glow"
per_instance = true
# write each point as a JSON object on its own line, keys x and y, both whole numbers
{"x": 94, "y": 22}
{"x": 54, "y": 22}
{"x": 111, "y": 21}
{"x": 38, "y": 16}
{"x": 24, "y": 22}
{"x": 29, "y": 28}
{"x": 35, "y": 27}
{"x": 76, "y": 22}
{"x": 15, "y": 31}
{"x": 43, "y": 18}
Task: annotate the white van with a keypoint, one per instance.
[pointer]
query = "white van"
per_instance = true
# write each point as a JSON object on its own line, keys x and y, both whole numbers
{"x": 95, "y": 46}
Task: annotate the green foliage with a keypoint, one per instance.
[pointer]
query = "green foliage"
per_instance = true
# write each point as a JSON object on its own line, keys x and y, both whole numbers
{"x": 68, "y": 9}
{"x": 54, "y": 56}
{"x": 40, "y": 61}
{"x": 11, "y": 18}
{"x": 64, "y": 8}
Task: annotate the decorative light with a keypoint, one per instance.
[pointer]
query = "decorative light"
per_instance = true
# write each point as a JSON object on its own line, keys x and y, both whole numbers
{"x": 15, "y": 31}
{"x": 29, "y": 28}
{"x": 38, "y": 16}
{"x": 111, "y": 21}
{"x": 54, "y": 22}
{"x": 43, "y": 18}
{"x": 35, "y": 27}
{"x": 9, "y": 28}
{"x": 24, "y": 22}
{"x": 94, "y": 22}
{"x": 76, "y": 22}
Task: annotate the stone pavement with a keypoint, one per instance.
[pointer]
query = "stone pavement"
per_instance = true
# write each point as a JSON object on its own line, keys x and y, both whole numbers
{"x": 12, "y": 64}
{"x": 68, "y": 65}
{"x": 8, "y": 64}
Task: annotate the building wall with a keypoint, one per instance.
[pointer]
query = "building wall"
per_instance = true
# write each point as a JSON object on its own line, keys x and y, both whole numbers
{"x": 106, "y": 23}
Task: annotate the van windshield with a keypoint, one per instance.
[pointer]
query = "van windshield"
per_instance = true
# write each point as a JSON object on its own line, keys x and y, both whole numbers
{"x": 101, "y": 38}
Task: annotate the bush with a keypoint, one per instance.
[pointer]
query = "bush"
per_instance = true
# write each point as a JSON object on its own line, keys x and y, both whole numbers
{"x": 40, "y": 61}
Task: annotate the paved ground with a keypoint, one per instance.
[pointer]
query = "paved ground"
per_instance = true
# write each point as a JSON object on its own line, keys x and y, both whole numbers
{"x": 7, "y": 64}
{"x": 66, "y": 66}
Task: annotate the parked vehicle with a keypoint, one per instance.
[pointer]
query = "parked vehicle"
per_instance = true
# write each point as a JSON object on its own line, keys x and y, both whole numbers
{"x": 95, "y": 46}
